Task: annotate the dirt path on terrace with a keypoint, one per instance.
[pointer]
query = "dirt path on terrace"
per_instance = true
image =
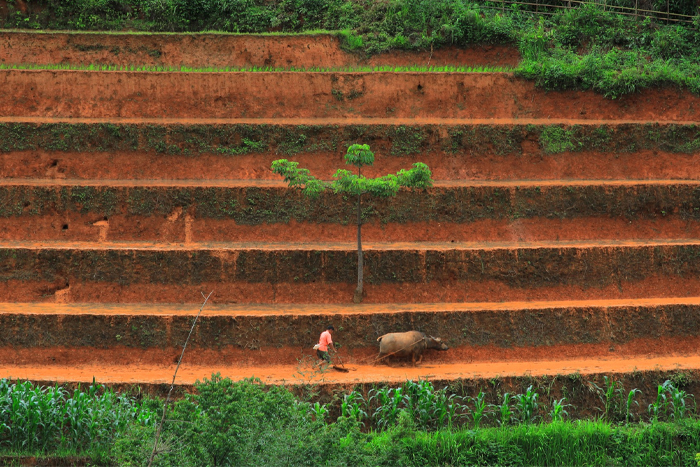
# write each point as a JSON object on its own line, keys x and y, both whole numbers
{"x": 226, "y": 50}
{"x": 264, "y": 357}
{"x": 188, "y": 374}
{"x": 336, "y": 246}
{"x": 258, "y": 309}
{"x": 295, "y": 121}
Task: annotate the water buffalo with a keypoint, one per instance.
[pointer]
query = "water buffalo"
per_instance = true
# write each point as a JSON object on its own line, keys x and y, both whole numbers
{"x": 405, "y": 344}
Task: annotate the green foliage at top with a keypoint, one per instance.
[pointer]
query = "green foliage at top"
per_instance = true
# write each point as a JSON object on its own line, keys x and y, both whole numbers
{"x": 580, "y": 48}
{"x": 347, "y": 182}
{"x": 359, "y": 155}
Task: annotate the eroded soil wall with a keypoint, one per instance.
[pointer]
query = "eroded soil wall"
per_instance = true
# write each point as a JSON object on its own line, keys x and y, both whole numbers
{"x": 480, "y": 335}
{"x": 252, "y": 275}
{"x": 321, "y": 95}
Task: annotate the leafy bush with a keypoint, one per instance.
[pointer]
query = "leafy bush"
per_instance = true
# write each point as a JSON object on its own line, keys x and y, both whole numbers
{"x": 239, "y": 423}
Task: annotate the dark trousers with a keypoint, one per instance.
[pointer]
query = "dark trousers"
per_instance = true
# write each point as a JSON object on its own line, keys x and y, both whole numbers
{"x": 322, "y": 355}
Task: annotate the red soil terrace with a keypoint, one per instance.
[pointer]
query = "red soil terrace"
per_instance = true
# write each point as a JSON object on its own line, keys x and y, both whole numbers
{"x": 93, "y": 94}
{"x": 225, "y": 50}
{"x": 298, "y": 98}
{"x": 535, "y": 165}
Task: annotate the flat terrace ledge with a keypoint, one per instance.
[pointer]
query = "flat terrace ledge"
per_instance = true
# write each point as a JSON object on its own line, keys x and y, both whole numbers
{"x": 291, "y": 374}
{"x": 262, "y": 310}
{"x": 337, "y": 246}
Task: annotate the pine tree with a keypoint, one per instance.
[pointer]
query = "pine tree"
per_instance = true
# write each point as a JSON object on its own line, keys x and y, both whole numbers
{"x": 347, "y": 182}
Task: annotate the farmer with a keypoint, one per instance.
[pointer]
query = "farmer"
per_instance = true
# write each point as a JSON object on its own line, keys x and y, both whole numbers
{"x": 324, "y": 342}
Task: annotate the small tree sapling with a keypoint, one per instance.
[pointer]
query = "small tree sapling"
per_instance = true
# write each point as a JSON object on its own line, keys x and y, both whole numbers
{"x": 347, "y": 182}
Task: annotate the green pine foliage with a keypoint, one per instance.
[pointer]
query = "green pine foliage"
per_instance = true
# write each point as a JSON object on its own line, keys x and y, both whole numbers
{"x": 347, "y": 182}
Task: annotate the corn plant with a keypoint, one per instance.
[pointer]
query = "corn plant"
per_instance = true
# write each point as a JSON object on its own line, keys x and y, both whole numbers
{"x": 388, "y": 402}
{"x": 629, "y": 402}
{"x": 504, "y": 411}
{"x": 558, "y": 411}
{"x": 423, "y": 403}
{"x": 447, "y": 409}
{"x": 40, "y": 419}
{"x": 610, "y": 396}
{"x": 526, "y": 405}
{"x": 660, "y": 406}
{"x": 319, "y": 411}
{"x": 352, "y": 406}
{"x": 677, "y": 401}
{"x": 480, "y": 408}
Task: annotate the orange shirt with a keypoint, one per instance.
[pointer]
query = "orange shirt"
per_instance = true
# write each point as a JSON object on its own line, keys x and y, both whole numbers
{"x": 324, "y": 341}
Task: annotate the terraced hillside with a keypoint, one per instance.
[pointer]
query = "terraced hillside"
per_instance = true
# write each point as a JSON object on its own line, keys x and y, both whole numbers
{"x": 562, "y": 233}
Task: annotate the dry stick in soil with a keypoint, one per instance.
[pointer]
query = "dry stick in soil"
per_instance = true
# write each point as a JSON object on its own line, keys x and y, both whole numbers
{"x": 172, "y": 385}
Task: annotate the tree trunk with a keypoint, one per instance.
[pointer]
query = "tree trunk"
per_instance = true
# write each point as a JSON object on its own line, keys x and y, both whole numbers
{"x": 357, "y": 298}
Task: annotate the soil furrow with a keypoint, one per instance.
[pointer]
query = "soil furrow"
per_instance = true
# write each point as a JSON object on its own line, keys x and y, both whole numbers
{"x": 50, "y": 182}
{"x": 340, "y": 121}
{"x": 126, "y": 246}
{"x": 254, "y": 353}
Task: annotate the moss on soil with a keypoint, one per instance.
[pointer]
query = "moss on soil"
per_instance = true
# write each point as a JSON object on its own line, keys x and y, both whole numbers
{"x": 259, "y": 205}
{"x": 288, "y": 140}
{"x": 516, "y": 268}
{"x": 499, "y": 328}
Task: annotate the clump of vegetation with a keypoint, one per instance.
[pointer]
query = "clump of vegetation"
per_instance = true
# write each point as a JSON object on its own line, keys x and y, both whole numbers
{"x": 356, "y": 185}
{"x": 586, "y": 47}
{"x": 226, "y": 423}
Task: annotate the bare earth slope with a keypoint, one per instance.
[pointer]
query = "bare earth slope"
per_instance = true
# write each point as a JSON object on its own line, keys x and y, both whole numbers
{"x": 125, "y": 195}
